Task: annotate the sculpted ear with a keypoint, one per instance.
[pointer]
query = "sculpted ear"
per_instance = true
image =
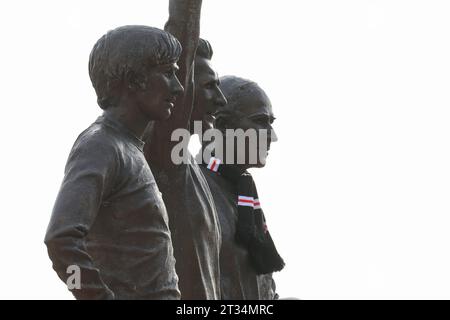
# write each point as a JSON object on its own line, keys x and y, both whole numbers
{"x": 135, "y": 81}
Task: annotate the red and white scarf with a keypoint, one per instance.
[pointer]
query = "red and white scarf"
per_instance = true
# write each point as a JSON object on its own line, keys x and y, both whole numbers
{"x": 251, "y": 227}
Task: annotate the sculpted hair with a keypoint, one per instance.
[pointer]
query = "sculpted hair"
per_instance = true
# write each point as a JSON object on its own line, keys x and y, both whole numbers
{"x": 235, "y": 90}
{"x": 128, "y": 49}
{"x": 204, "y": 49}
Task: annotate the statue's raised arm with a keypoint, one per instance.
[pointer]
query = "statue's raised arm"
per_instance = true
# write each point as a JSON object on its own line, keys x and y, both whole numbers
{"x": 184, "y": 24}
{"x": 193, "y": 220}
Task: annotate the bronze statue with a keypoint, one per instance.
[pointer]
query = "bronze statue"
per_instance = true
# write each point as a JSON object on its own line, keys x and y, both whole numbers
{"x": 208, "y": 96}
{"x": 193, "y": 218}
{"x": 109, "y": 219}
{"x": 248, "y": 256}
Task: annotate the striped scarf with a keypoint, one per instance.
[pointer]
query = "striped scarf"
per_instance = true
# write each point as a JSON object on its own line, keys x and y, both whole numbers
{"x": 251, "y": 227}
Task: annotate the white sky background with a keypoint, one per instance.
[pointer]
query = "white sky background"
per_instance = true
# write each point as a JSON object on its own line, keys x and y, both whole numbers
{"x": 356, "y": 190}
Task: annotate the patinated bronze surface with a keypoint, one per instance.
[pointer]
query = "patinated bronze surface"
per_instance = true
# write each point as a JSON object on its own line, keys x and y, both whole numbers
{"x": 109, "y": 218}
{"x": 248, "y": 108}
{"x": 192, "y": 216}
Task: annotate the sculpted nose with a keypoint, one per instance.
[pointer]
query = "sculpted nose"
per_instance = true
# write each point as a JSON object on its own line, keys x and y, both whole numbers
{"x": 272, "y": 135}
{"x": 177, "y": 88}
{"x": 221, "y": 101}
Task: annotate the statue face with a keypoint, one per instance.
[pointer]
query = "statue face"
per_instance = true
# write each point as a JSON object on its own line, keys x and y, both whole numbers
{"x": 157, "y": 94}
{"x": 208, "y": 96}
{"x": 256, "y": 113}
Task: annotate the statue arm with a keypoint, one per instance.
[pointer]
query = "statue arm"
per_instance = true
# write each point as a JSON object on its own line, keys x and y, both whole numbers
{"x": 85, "y": 183}
{"x": 184, "y": 24}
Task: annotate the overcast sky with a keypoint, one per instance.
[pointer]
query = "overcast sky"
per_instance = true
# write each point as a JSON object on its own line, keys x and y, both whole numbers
{"x": 356, "y": 190}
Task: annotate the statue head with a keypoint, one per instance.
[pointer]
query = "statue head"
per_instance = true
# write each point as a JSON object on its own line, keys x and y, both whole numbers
{"x": 208, "y": 96}
{"x": 248, "y": 107}
{"x": 135, "y": 66}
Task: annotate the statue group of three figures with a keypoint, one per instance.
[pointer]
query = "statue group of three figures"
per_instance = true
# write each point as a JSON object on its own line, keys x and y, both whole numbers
{"x": 133, "y": 222}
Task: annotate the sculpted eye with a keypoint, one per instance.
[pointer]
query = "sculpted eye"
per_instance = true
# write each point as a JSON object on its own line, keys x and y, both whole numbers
{"x": 261, "y": 121}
